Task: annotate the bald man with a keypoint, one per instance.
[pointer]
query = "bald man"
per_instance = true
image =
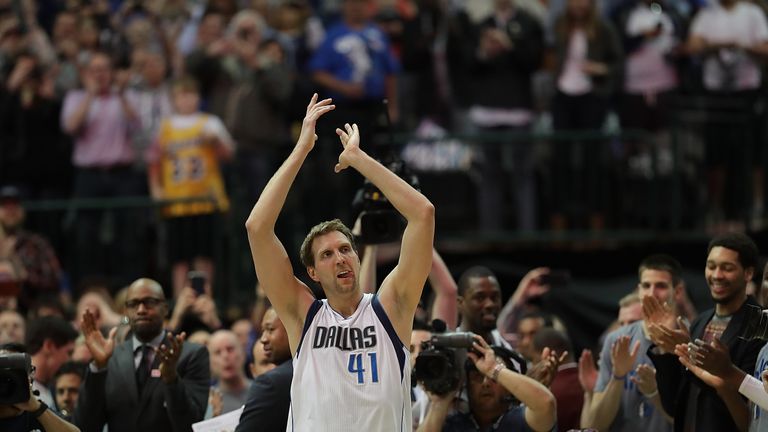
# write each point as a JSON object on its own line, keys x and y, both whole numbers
{"x": 227, "y": 360}
{"x": 154, "y": 381}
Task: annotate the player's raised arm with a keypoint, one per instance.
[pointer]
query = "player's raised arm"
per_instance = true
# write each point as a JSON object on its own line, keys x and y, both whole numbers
{"x": 401, "y": 290}
{"x": 290, "y": 297}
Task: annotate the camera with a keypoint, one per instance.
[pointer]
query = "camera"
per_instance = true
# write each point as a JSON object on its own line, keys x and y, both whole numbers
{"x": 438, "y": 367}
{"x": 15, "y": 372}
{"x": 379, "y": 221}
{"x": 756, "y": 326}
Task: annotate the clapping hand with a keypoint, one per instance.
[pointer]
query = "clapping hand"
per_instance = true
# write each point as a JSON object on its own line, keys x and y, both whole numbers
{"x": 545, "y": 370}
{"x": 687, "y": 355}
{"x": 667, "y": 338}
{"x": 623, "y": 360}
{"x": 169, "y": 356}
{"x": 715, "y": 359}
{"x": 101, "y": 349}
{"x": 656, "y": 312}
{"x": 645, "y": 379}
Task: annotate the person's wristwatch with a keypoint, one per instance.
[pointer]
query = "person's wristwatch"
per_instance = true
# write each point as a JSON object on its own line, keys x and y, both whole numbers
{"x": 38, "y": 412}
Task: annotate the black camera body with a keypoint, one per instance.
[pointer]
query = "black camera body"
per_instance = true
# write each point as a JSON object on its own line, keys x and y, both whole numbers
{"x": 438, "y": 367}
{"x": 379, "y": 221}
{"x": 15, "y": 372}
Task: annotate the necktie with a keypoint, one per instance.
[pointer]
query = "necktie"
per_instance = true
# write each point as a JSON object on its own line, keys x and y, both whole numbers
{"x": 142, "y": 372}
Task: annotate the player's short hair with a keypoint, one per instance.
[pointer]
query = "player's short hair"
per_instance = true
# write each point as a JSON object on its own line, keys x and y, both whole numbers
{"x": 662, "y": 262}
{"x": 307, "y": 257}
{"x": 54, "y": 328}
{"x": 470, "y": 273}
{"x": 741, "y": 243}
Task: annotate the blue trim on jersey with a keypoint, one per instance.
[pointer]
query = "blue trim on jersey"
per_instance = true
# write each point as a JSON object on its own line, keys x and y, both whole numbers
{"x": 398, "y": 344}
{"x": 313, "y": 309}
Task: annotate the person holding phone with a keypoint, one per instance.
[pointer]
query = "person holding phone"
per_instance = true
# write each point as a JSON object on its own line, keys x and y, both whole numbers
{"x": 351, "y": 358}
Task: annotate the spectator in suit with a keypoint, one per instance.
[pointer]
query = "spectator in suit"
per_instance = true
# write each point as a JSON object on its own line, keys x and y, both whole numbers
{"x": 269, "y": 398}
{"x": 153, "y": 381}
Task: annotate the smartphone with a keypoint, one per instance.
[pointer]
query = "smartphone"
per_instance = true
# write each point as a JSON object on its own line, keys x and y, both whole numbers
{"x": 556, "y": 278}
{"x": 197, "y": 281}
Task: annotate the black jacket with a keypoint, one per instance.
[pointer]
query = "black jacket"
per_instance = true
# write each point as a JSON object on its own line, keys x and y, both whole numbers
{"x": 675, "y": 382}
{"x": 266, "y": 408}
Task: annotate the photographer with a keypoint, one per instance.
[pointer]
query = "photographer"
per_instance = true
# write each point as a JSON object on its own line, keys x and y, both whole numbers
{"x": 30, "y": 415}
{"x": 492, "y": 384}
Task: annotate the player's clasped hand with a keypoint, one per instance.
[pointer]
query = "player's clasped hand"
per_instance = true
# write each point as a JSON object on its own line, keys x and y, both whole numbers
{"x": 350, "y": 140}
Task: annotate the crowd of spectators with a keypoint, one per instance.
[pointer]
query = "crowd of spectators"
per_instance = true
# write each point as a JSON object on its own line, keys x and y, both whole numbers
{"x": 86, "y": 85}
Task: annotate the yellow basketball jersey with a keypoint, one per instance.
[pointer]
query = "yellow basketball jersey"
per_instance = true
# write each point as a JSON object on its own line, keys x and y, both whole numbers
{"x": 189, "y": 168}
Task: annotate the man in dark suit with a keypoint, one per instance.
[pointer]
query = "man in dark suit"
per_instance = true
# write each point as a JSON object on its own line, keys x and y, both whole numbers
{"x": 697, "y": 399}
{"x": 266, "y": 408}
{"x": 151, "y": 382}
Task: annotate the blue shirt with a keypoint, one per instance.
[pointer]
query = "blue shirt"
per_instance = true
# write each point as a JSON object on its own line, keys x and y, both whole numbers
{"x": 512, "y": 420}
{"x": 356, "y": 56}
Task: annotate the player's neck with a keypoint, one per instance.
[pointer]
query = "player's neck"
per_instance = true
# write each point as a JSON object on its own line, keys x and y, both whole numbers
{"x": 345, "y": 304}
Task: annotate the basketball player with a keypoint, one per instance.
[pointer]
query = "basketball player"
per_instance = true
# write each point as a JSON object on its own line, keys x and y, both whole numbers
{"x": 350, "y": 351}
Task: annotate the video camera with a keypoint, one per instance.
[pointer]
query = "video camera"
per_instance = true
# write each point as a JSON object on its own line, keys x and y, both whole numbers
{"x": 15, "y": 375}
{"x": 437, "y": 366}
{"x": 379, "y": 221}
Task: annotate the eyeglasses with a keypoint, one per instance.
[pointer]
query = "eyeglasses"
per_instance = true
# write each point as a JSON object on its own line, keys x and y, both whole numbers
{"x": 148, "y": 302}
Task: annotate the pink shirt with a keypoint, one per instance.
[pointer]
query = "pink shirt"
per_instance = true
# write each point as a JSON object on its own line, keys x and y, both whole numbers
{"x": 103, "y": 140}
{"x": 573, "y": 80}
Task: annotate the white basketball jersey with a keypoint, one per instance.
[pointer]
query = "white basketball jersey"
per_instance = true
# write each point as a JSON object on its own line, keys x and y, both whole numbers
{"x": 350, "y": 374}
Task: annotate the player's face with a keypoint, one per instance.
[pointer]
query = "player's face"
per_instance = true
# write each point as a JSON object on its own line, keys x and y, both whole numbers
{"x": 146, "y": 310}
{"x": 186, "y": 102}
{"x": 226, "y": 357}
{"x": 483, "y": 393}
{"x": 67, "y": 390}
{"x": 481, "y": 304}
{"x": 630, "y": 314}
{"x": 336, "y": 263}
{"x": 274, "y": 338}
{"x": 11, "y": 327}
{"x": 260, "y": 363}
{"x": 657, "y": 283}
{"x": 726, "y": 277}
{"x": 526, "y": 330}
{"x": 417, "y": 337}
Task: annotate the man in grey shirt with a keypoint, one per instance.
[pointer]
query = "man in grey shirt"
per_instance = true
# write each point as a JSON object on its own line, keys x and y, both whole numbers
{"x": 626, "y": 398}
